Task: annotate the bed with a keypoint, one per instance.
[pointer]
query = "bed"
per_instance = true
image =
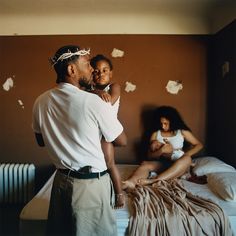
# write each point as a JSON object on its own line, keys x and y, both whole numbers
{"x": 33, "y": 216}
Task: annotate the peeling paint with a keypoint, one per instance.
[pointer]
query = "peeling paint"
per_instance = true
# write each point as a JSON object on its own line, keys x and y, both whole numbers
{"x": 8, "y": 84}
{"x": 129, "y": 87}
{"x": 174, "y": 87}
{"x": 117, "y": 53}
{"x": 21, "y": 104}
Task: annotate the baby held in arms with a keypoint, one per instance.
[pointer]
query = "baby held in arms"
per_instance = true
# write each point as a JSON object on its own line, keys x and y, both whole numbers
{"x": 165, "y": 154}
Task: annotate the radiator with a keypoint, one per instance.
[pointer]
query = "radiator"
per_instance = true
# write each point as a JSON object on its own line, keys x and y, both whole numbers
{"x": 16, "y": 183}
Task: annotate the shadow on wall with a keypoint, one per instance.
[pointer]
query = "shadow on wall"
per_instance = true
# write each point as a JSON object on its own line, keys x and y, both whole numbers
{"x": 148, "y": 127}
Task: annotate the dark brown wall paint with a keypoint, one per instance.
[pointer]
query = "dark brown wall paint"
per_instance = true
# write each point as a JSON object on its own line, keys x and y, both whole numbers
{"x": 149, "y": 63}
{"x": 221, "y": 96}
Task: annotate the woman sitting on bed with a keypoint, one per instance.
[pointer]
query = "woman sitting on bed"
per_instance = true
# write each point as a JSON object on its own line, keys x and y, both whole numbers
{"x": 165, "y": 153}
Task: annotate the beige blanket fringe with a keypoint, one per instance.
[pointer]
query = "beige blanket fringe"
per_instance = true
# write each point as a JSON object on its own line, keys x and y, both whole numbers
{"x": 167, "y": 209}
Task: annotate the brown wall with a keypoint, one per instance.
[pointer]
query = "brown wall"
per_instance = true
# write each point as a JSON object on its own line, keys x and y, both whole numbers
{"x": 149, "y": 62}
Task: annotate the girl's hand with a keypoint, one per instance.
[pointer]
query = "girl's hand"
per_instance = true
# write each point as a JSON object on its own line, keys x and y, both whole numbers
{"x": 104, "y": 96}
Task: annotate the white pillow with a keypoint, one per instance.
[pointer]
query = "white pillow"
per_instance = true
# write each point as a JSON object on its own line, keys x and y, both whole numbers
{"x": 223, "y": 184}
{"x": 206, "y": 165}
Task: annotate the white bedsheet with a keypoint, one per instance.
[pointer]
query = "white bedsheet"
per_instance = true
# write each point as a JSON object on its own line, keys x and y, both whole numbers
{"x": 34, "y": 214}
{"x": 202, "y": 190}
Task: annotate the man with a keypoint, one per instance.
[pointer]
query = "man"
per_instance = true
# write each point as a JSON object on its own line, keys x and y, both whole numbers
{"x": 70, "y": 123}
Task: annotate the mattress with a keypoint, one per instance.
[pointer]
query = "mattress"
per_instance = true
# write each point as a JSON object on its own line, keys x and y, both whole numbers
{"x": 33, "y": 216}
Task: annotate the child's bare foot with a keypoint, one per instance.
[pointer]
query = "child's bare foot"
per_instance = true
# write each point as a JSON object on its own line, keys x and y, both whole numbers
{"x": 119, "y": 200}
{"x": 128, "y": 185}
{"x": 144, "y": 182}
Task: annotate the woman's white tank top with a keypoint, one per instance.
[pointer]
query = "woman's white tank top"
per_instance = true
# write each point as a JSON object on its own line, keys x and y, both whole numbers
{"x": 176, "y": 141}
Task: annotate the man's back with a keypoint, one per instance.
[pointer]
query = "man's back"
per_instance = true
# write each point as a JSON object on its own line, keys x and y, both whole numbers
{"x": 69, "y": 120}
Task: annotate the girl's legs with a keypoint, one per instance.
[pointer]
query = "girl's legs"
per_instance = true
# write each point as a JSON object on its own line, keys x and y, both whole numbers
{"x": 178, "y": 168}
{"x": 142, "y": 172}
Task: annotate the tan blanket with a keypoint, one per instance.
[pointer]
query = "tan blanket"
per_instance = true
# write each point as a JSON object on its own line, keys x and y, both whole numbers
{"x": 166, "y": 208}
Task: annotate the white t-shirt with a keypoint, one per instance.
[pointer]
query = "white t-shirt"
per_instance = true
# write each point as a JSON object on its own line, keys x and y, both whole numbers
{"x": 72, "y": 122}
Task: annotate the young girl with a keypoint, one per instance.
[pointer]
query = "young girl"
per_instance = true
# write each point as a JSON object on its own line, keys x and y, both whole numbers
{"x": 109, "y": 92}
{"x": 166, "y": 144}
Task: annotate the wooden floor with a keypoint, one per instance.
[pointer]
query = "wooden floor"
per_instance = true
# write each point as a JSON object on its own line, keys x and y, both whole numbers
{"x": 9, "y": 220}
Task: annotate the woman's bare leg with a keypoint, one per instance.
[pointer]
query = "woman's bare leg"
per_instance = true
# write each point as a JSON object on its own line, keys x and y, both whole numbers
{"x": 142, "y": 172}
{"x": 177, "y": 169}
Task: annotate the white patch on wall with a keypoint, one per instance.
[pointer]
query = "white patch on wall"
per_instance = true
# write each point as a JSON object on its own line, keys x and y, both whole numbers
{"x": 8, "y": 84}
{"x": 129, "y": 87}
{"x": 174, "y": 87}
{"x": 117, "y": 53}
{"x": 21, "y": 103}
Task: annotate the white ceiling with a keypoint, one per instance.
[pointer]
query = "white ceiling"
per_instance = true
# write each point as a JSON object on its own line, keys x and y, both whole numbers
{"x": 203, "y": 7}
{"x": 119, "y": 16}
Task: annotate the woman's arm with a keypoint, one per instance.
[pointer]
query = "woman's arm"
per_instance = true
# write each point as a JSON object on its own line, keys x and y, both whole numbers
{"x": 196, "y": 144}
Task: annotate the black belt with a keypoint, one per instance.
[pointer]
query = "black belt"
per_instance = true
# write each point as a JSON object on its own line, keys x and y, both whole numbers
{"x": 78, "y": 175}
